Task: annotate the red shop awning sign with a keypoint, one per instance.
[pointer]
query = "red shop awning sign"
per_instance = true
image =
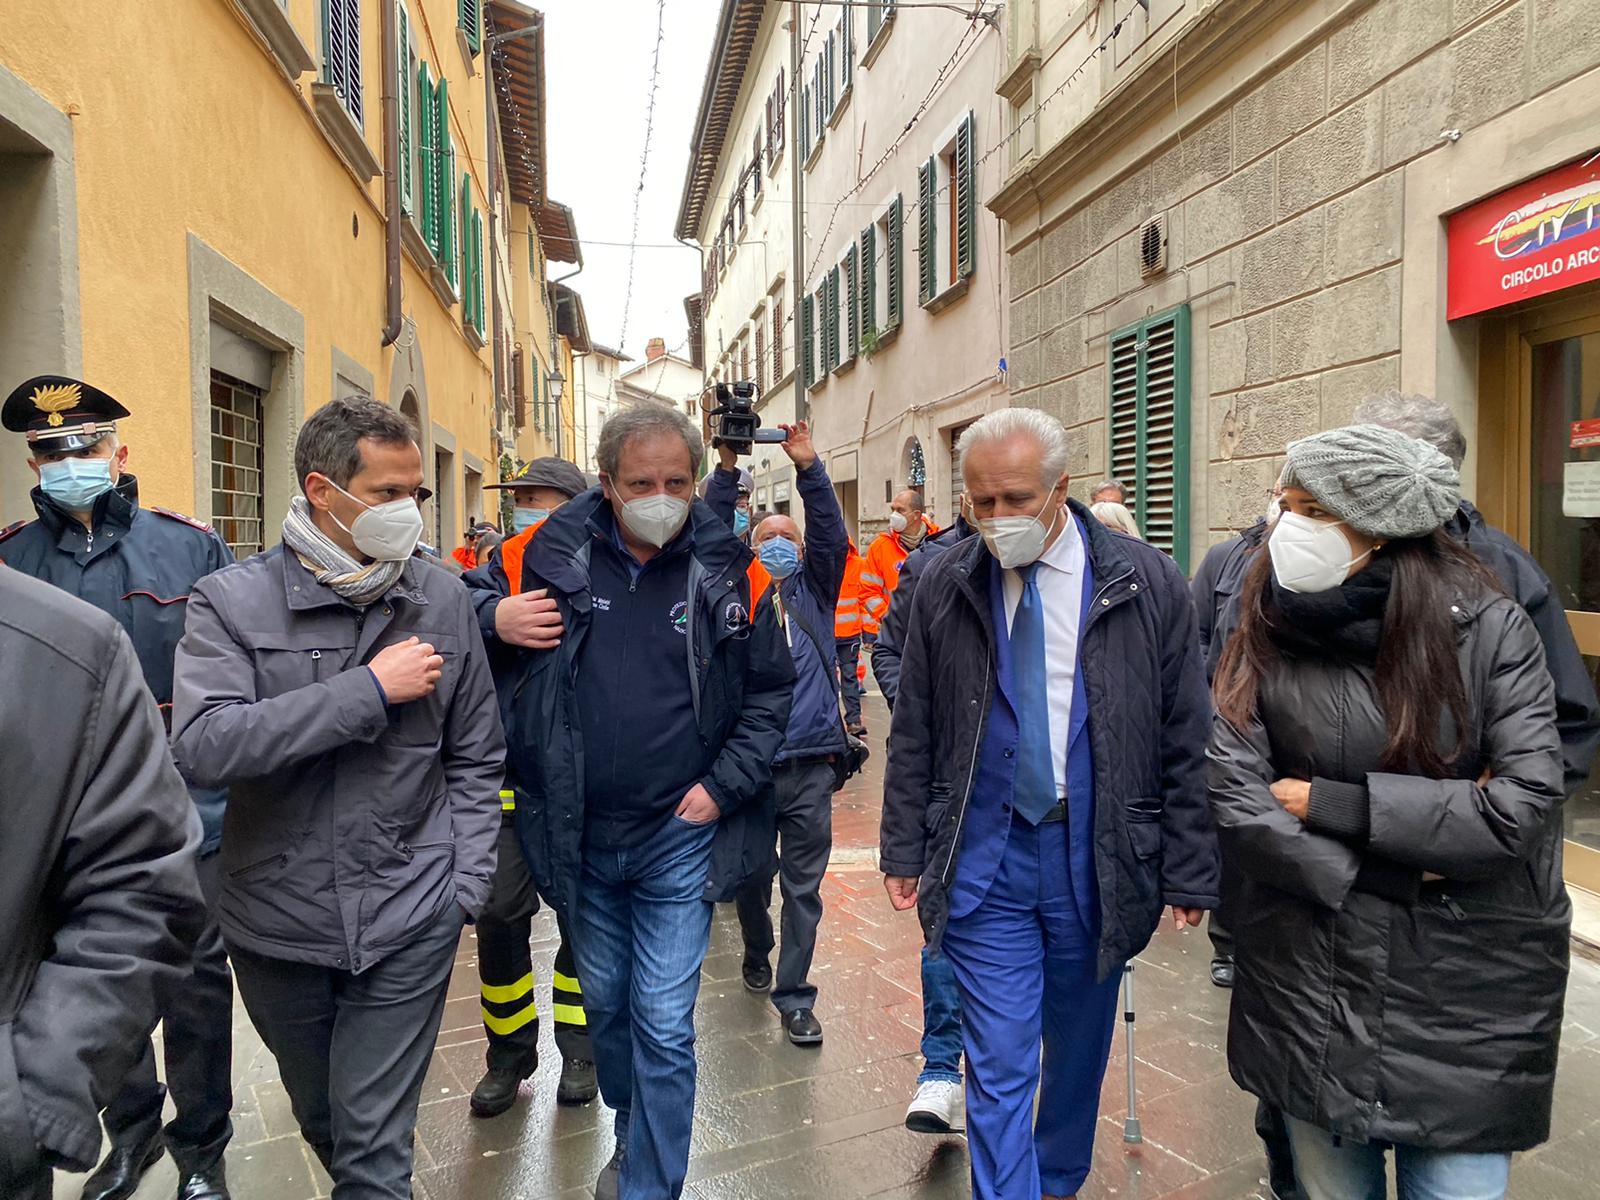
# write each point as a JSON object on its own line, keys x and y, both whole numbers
{"x": 1538, "y": 237}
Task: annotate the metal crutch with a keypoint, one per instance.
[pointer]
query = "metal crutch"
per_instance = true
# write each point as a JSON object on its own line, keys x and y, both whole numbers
{"x": 1131, "y": 1133}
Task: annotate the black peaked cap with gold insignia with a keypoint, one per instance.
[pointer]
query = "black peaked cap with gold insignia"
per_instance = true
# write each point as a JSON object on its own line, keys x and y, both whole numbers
{"x": 59, "y": 413}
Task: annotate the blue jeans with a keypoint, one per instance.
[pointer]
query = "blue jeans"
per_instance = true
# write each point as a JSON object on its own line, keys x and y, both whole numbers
{"x": 1026, "y": 963}
{"x": 642, "y": 928}
{"x": 941, "y": 1020}
{"x": 1334, "y": 1169}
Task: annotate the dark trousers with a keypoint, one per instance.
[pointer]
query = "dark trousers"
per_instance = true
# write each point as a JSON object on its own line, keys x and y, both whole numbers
{"x": 804, "y": 806}
{"x": 505, "y": 971}
{"x": 197, "y": 1045}
{"x": 352, "y": 1051}
{"x": 849, "y": 655}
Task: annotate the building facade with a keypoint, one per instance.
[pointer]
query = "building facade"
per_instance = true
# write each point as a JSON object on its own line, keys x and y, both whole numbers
{"x": 595, "y": 398}
{"x": 208, "y": 237}
{"x": 662, "y": 378}
{"x": 902, "y": 323}
{"x": 1228, "y": 222}
{"x": 737, "y": 206}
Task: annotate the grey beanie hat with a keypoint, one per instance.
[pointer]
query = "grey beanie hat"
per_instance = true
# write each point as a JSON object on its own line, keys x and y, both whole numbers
{"x": 1379, "y": 482}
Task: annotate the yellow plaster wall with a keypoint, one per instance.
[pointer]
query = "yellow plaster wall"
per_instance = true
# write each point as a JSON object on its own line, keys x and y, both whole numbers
{"x": 184, "y": 124}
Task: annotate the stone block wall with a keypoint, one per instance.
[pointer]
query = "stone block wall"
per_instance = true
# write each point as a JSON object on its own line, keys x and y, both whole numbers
{"x": 1285, "y": 216}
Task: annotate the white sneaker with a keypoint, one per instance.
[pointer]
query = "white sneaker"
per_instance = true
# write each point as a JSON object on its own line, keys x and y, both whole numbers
{"x": 936, "y": 1108}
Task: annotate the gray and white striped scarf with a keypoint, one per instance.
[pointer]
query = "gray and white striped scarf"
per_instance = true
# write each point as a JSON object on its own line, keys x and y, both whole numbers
{"x": 333, "y": 568}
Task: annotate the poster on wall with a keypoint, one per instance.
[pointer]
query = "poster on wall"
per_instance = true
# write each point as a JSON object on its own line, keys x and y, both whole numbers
{"x": 1538, "y": 237}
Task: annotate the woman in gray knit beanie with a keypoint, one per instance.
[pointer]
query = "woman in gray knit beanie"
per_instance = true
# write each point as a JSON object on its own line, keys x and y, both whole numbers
{"x": 1386, "y": 779}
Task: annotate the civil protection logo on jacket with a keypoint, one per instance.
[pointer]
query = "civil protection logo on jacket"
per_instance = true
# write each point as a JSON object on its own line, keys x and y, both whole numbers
{"x": 680, "y": 617}
{"x": 734, "y": 617}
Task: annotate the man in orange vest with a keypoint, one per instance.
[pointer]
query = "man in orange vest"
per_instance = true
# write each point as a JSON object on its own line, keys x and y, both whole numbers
{"x": 509, "y": 617}
{"x": 849, "y": 622}
{"x": 880, "y": 571}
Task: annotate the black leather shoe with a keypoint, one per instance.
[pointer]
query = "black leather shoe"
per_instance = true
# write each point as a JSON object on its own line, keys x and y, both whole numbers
{"x": 757, "y": 978}
{"x": 1222, "y": 972}
{"x": 496, "y": 1092}
{"x": 578, "y": 1085}
{"x": 211, "y": 1184}
{"x": 609, "y": 1185}
{"x": 803, "y": 1027}
{"x": 118, "y": 1176}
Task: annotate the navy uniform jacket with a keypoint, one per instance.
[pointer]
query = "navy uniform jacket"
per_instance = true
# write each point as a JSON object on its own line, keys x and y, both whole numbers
{"x": 138, "y": 565}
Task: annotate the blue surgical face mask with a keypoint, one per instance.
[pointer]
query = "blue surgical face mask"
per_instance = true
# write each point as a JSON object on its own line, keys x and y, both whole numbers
{"x": 779, "y": 556}
{"x": 741, "y": 521}
{"x": 76, "y": 483}
{"x": 527, "y": 518}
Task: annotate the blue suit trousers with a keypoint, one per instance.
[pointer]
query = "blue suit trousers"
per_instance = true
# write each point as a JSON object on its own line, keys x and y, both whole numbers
{"x": 1024, "y": 960}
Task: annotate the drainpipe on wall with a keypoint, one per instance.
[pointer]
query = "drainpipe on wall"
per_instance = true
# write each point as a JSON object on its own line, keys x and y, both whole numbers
{"x": 802, "y": 400}
{"x": 391, "y": 177}
{"x": 491, "y": 117}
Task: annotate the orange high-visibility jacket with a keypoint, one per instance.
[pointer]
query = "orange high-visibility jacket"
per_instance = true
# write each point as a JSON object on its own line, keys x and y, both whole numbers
{"x": 465, "y": 557}
{"x": 849, "y": 615}
{"x": 880, "y": 574}
{"x": 511, "y": 551}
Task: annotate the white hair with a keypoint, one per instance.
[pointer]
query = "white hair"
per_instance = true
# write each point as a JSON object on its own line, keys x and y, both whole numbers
{"x": 1116, "y": 516}
{"x": 1006, "y": 423}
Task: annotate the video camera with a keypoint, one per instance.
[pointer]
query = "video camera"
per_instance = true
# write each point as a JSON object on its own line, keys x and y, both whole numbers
{"x": 738, "y": 425}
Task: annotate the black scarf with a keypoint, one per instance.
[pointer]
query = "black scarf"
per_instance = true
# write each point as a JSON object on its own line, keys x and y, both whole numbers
{"x": 1345, "y": 622}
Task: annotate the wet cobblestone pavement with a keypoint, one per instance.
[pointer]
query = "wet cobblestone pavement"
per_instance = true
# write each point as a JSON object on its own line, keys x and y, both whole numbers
{"x": 775, "y": 1122}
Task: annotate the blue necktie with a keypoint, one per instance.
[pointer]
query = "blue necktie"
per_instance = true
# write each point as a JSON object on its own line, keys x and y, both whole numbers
{"x": 1034, "y": 791}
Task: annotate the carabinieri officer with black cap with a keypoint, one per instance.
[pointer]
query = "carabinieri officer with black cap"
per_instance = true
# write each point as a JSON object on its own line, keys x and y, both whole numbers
{"x": 92, "y": 539}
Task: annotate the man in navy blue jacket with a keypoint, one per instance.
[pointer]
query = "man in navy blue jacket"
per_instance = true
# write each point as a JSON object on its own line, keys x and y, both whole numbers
{"x": 802, "y": 592}
{"x": 1045, "y": 796}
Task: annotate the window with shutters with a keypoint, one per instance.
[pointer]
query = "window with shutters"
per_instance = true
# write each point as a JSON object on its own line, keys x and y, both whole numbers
{"x": 891, "y": 229}
{"x": 470, "y": 18}
{"x": 427, "y": 156}
{"x": 341, "y": 52}
{"x": 1150, "y": 426}
{"x": 777, "y": 339}
{"x": 947, "y": 218}
{"x": 464, "y": 207}
{"x": 775, "y": 123}
{"x": 850, "y": 305}
{"x": 760, "y": 360}
{"x": 805, "y": 120}
{"x": 408, "y": 69}
{"x": 755, "y": 169}
{"x": 450, "y": 244}
{"x": 830, "y": 288}
{"x": 807, "y": 358}
{"x": 880, "y": 19}
{"x": 830, "y": 73}
{"x": 847, "y": 50}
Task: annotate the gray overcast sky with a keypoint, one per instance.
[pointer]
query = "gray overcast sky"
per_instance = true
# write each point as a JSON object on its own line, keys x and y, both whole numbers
{"x": 597, "y": 71}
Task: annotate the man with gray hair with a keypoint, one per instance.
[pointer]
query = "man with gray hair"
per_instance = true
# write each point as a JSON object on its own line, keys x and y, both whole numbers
{"x": 639, "y": 748}
{"x": 1577, "y": 710}
{"x": 1110, "y": 491}
{"x": 1046, "y": 806}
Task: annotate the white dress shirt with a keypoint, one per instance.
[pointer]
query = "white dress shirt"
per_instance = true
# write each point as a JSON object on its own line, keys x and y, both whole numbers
{"x": 1060, "y": 580}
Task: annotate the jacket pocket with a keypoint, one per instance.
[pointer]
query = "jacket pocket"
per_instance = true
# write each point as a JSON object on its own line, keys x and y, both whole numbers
{"x": 19, "y": 1157}
{"x": 1142, "y": 867}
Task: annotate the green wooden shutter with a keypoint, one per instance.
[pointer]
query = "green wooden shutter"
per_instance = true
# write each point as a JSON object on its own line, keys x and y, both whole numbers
{"x": 426, "y": 158}
{"x": 341, "y": 59}
{"x": 465, "y": 209}
{"x": 472, "y": 24}
{"x": 896, "y": 264}
{"x": 453, "y": 218}
{"x": 829, "y": 73}
{"x": 833, "y": 318}
{"x": 443, "y": 177}
{"x": 1150, "y": 425}
{"x": 927, "y": 232}
{"x": 403, "y": 84}
{"x": 852, "y": 301}
{"x": 807, "y": 324}
{"x": 869, "y": 282}
{"x": 966, "y": 185}
{"x": 805, "y": 120}
{"x": 819, "y": 92}
{"x": 477, "y": 273}
{"x": 847, "y": 48}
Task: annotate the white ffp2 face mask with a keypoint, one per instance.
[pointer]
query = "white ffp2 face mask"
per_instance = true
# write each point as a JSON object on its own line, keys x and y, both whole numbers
{"x": 385, "y": 532}
{"x": 1310, "y": 556}
{"x": 898, "y": 521}
{"x": 1017, "y": 541}
{"x": 655, "y": 519}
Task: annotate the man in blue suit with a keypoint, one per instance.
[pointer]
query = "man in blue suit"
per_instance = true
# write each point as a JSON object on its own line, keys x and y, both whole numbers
{"x": 1046, "y": 808}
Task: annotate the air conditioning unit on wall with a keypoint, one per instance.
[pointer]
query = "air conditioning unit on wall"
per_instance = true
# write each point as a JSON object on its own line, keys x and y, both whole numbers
{"x": 1153, "y": 247}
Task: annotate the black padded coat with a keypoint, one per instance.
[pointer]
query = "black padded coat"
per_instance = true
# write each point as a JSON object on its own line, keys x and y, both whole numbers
{"x": 1370, "y": 1001}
